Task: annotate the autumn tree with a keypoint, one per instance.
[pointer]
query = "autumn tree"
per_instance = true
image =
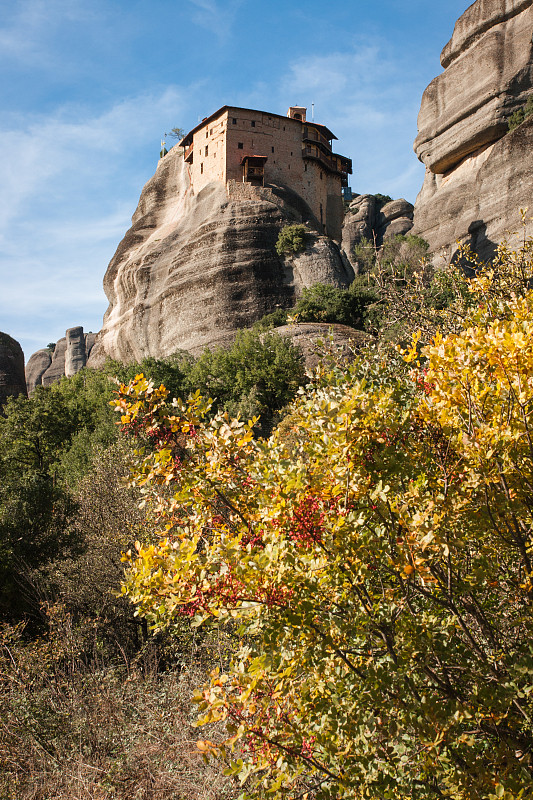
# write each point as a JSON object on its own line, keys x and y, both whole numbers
{"x": 375, "y": 555}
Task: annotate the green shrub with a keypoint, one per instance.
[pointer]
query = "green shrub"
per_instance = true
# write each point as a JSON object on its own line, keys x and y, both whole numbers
{"x": 382, "y": 200}
{"x": 323, "y": 303}
{"x": 291, "y": 239}
{"x": 274, "y": 320}
{"x": 258, "y": 375}
{"x": 521, "y": 114}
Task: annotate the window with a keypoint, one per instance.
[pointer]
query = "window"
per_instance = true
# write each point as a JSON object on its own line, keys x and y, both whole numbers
{"x": 201, "y": 169}
{"x": 206, "y": 133}
{"x": 305, "y": 168}
{"x": 206, "y": 149}
{"x": 234, "y": 121}
{"x": 211, "y": 132}
{"x": 253, "y": 123}
{"x": 272, "y": 149}
{"x": 291, "y": 152}
{"x": 320, "y": 176}
{"x": 240, "y": 146}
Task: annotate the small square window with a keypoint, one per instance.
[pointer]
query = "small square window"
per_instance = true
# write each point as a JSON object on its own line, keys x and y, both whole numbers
{"x": 234, "y": 121}
{"x": 253, "y": 123}
{"x": 241, "y": 146}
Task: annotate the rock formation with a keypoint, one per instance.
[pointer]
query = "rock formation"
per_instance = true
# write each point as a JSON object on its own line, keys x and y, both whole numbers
{"x": 309, "y": 336}
{"x": 69, "y": 356}
{"x": 478, "y": 174}
{"x": 12, "y": 382}
{"x": 366, "y": 219}
{"x": 193, "y": 269}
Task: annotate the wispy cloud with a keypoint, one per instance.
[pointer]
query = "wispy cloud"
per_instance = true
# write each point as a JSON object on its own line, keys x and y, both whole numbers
{"x": 53, "y": 154}
{"x": 371, "y": 102}
{"x": 29, "y": 24}
{"x": 70, "y": 182}
{"x": 216, "y": 16}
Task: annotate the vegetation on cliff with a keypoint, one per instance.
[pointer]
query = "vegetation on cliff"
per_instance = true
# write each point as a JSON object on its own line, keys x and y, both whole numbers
{"x": 521, "y": 115}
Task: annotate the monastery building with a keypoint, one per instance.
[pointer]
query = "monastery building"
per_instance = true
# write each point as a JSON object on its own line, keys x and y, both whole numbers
{"x": 243, "y": 145}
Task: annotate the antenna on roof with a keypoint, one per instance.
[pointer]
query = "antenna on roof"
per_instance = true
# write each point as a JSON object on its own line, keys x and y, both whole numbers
{"x": 312, "y": 112}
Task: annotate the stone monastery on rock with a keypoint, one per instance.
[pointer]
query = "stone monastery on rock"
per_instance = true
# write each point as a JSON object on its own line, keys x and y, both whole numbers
{"x": 247, "y": 146}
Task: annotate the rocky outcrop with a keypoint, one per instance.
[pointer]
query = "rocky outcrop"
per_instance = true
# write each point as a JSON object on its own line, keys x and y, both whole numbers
{"x": 314, "y": 339}
{"x": 193, "y": 269}
{"x": 367, "y": 219}
{"x": 68, "y": 357}
{"x": 478, "y": 174}
{"x": 12, "y": 381}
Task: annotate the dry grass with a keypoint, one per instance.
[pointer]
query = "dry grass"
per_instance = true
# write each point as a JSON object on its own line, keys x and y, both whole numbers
{"x": 70, "y": 731}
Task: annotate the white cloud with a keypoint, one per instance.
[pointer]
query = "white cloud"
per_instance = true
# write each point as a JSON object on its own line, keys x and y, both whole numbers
{"x": 216, "y": 16}
{"x": 72, "y": 151}
{"x": 26, "y": 32}
{"x": 71, "y": 181}
{"x": 370, "y": 101}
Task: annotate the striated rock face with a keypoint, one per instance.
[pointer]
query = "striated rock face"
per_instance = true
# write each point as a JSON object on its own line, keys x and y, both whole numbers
{"x": 478, "y": 203}
{"x": 193, "y": 269}
{"x": 488, "y": 75}
{"x": 310, "y": 336}
{"x": 70, "y": 355}
{"x": 478, "y": 174}
{"x": 12, "y": 381}
{"x": 365, "y": 220}
{"x": 37, "y": 365}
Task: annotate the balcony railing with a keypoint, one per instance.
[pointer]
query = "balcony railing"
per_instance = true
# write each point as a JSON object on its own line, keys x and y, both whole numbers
{"x": 187, "y": 155}
{"x": 312, "y": 135}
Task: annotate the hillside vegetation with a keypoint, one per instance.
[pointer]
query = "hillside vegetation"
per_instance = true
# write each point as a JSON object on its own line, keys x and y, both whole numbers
{"x": 346, "y": 591}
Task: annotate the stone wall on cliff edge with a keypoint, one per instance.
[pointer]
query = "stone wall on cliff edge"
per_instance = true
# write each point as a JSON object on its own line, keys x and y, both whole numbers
{"x": 478, "y": 173}
{"x": 195, "y": 268}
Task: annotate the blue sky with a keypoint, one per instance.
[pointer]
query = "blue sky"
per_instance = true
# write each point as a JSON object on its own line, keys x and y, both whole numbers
{"x": 88, "y": 89}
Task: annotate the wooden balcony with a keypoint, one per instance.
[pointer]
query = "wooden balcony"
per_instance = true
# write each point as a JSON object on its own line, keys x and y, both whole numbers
{"x": 312, "y": 135}
{"x": 340, "y": 165}
{"x": 187, "y": 154}
{"x": 253, "y": 169}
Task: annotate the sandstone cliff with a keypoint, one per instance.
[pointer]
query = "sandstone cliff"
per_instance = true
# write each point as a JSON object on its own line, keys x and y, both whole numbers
{"x": 314, "y": 339}
{"x": 69, "y": 356}
{"x": 478, "y": 174}
{"x": 366, "y": 219}
{"x": 193, "y": 269}
{"x": 12, "y": 382}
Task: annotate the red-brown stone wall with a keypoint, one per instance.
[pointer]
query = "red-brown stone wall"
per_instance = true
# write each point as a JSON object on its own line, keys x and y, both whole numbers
{"x": 239, "y": 132}
{"x": 211, "y": 166}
